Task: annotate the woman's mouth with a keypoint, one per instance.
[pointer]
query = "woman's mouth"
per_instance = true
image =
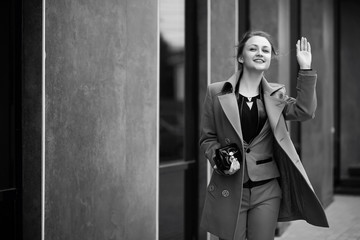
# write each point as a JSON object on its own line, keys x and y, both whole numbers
{"x": 259, "y": 60}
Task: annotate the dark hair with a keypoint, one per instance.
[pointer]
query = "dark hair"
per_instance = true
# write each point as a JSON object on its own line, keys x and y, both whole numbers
{"x": 251, "y": 34}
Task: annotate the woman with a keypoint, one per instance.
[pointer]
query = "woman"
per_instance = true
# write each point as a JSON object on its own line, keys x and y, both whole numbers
{"x": 268, "y": 183}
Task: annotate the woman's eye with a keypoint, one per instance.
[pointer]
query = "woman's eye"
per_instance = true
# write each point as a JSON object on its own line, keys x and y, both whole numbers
{"x": 266, "y": 51}
{"x": 252, "y": 49}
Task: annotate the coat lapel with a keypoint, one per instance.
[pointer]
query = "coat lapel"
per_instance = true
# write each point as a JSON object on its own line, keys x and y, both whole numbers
{"x": 274, "y": 106}
{"x": 230, "y": 107}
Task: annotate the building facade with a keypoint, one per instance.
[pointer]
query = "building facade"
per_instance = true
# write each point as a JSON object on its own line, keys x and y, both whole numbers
{"x": 103, "y": 103}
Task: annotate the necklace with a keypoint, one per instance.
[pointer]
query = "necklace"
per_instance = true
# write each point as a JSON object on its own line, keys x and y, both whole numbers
{"x": 249, "y": 100}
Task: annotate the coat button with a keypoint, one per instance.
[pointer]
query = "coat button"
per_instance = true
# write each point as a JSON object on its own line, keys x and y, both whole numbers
{"x": 225, "y": 193}
{"x": 248, "y": 150}
{"x": 227, "y": 141}
{"x": 211, "y": 188}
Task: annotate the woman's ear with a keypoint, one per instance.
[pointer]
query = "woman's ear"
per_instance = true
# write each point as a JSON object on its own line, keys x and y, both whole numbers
{"x": 241, "y": 60}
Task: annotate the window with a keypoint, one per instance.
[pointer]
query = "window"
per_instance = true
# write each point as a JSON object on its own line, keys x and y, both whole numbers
{"x": 178, "y": 122}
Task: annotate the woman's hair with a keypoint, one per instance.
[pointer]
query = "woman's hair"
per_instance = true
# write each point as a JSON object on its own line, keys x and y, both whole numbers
{"x": 251, "y": 34}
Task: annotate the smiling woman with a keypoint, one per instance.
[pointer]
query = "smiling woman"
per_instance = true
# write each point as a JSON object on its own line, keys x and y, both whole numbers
{"x": 268, "y": 183}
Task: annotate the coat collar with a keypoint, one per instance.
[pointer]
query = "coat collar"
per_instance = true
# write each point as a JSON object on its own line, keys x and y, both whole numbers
{"x": 273, "y": 105}
{"x": 230, "y": 85}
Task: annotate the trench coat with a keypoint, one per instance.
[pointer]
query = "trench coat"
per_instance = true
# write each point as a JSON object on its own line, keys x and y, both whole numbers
{"x": 220, "y": 125}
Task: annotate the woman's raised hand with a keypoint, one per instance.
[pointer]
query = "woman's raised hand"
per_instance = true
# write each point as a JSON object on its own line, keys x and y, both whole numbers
{"x": 303, "y": 53}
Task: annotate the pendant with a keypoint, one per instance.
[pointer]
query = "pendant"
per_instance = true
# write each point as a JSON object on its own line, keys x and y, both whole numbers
{"x": 250, "y": 104}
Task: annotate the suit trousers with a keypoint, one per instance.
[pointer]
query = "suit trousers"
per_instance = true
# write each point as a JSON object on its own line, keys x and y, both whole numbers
{"x": 259, "y": 212}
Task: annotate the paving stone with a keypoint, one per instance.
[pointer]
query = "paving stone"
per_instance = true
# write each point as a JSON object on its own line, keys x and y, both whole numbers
{"x": 344, "y": 219}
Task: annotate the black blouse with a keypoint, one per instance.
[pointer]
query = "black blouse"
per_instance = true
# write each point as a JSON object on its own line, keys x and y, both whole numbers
{"x": 251, "y": 121}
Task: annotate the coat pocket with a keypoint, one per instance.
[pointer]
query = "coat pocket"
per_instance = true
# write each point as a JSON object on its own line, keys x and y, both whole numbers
{"x": 263, "y": 161}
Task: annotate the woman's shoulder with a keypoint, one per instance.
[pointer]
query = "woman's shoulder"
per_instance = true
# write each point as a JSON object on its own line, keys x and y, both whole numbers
{"x": 276, "y": 85}
{"x": 272, "y": 87}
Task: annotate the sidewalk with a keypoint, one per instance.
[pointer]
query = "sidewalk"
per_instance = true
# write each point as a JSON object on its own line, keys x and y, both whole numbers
{"x": 344, "y": 220}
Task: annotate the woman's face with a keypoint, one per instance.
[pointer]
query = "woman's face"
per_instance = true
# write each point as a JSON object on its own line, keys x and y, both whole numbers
{"x": 256, "y": 54}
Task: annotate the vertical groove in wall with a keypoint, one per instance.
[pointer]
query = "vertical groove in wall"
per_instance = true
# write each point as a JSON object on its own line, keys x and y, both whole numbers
{"x": 43, "y": 126}
{"x": 209, "y": 63}
{"x": 236, "y": 39}
{"x": 157, "y": 120}
{"x": 208, "y": 72}
{"x": 209, "y": 42}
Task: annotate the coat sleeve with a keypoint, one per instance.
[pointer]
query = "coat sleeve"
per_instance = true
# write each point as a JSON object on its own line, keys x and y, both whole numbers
{"x": 208, "y": 135}
{"x": 304, "y": 105}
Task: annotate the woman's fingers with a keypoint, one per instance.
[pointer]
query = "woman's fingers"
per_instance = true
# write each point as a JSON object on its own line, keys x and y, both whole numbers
{"x": 303, "y": 53}
{"x": 303, "y": 45}
{"x": 298, "y": 46}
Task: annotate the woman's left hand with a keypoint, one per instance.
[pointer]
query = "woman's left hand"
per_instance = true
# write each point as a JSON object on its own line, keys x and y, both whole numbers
{"x": 235, "y": 166}
{"x": 303, "y": 53}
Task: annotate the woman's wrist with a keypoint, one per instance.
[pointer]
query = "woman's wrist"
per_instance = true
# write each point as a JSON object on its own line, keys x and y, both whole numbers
{"x": 305, "y": 67}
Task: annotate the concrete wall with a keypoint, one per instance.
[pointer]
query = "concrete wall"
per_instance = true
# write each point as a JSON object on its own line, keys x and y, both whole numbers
{"x": 101, "y": 119}
{"x": 264, "y": 16}
{"x": 317, "y": 135}
{"x": 202, "y": 17}
{"x": 349, "y": 86}
{"x": 223, "y": 39}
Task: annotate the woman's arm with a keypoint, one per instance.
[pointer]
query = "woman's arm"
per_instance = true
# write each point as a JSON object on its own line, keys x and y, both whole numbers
{"x": 303, "y": 107}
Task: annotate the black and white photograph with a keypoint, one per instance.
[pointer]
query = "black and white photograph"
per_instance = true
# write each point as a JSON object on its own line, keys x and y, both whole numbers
{"x": 180, "y": 120}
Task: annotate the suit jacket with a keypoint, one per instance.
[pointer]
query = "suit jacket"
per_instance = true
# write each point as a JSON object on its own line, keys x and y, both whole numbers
{"x": 260, "y": 163}
{"x": 221, "y": 124}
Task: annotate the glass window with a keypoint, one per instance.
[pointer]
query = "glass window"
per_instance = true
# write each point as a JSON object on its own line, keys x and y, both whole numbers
{"x": 172, "y": 79}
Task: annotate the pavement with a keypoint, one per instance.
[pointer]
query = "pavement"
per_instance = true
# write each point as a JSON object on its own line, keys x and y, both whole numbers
{"x": 344, "y": 219}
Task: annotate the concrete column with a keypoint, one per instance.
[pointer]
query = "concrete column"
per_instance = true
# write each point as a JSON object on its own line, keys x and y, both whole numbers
{"x": 349, "y": 87}
{"x": 101, "y": 161}
{"x": 264, "y": 16}
{"x": 223, "y": 39}
{"x": 317, "y": 135}
{"x": 202, "y": 28}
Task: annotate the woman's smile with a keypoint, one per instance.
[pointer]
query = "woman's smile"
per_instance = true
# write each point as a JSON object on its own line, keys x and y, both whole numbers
{"x": 259, "y": 60}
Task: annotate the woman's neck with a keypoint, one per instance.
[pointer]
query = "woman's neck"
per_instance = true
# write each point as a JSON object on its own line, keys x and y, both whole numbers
{"x": 249, "y": 83}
